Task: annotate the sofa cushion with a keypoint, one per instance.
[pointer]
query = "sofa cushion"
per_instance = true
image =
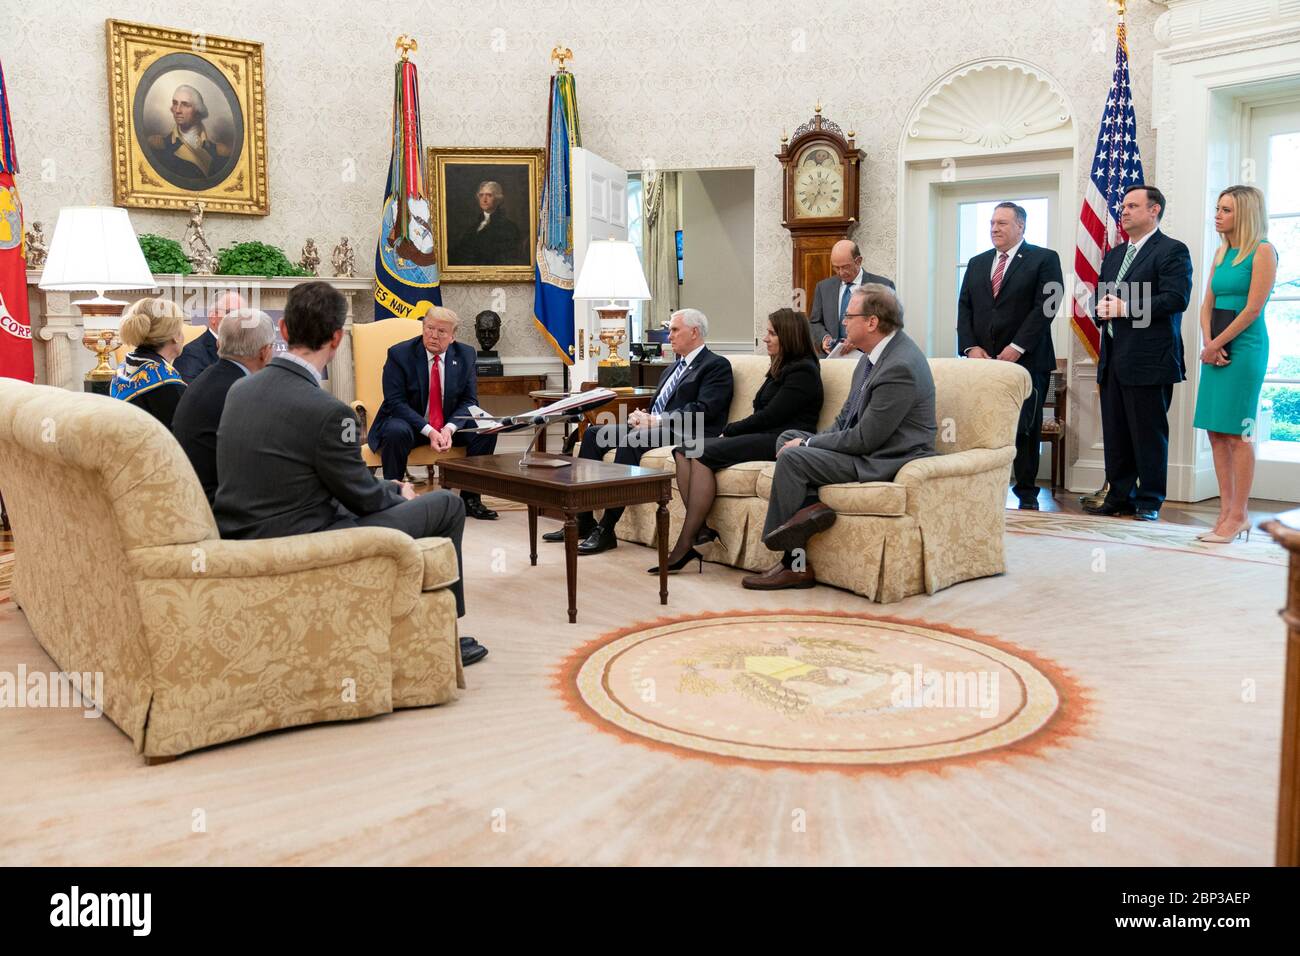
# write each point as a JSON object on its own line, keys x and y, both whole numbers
{"x": 653, "y": 458}
{"x": 740, "y": 481}
{"x": 865, "y": 498}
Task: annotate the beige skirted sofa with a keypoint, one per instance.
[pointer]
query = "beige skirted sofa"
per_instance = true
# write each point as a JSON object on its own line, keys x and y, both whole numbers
{"x": 119, "y": 570}
{"x": 940, "y": 521}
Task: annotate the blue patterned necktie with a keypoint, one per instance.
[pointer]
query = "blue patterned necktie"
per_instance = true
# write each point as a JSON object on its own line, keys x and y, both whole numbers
{"x": 856, "y": 401}
{"x": 844, "y": 307}
{"x": 670, "y": 386}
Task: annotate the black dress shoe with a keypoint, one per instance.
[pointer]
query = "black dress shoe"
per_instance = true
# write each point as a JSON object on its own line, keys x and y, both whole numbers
{"x": 473, "y": 653}
{"x": 598, "y": 541}
{"x": 476, "y": 509}
{"x": 1109, "y": 510}
{"x": 468, "y": 642}
{"x": 690, "y": 555}
{"x": 1029, "y": 504}
{"x": 585, "y": 528}
{"x": 1146, "y": 514}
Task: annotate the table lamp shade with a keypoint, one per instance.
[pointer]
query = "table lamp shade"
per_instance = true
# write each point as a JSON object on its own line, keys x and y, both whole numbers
{"x": 611, "y": 270}
{"x": 95, "y": 248}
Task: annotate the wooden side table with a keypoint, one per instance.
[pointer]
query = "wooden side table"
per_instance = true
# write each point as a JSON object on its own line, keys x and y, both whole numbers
{"x": 510, "y": 384}
{"x": 1285, "y": 529}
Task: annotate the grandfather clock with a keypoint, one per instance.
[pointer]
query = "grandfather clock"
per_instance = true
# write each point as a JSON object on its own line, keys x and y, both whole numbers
{"x": 820, "y": 168}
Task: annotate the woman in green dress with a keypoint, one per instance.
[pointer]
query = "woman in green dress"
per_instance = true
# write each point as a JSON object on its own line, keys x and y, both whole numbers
{"x": 1235, "y": 355}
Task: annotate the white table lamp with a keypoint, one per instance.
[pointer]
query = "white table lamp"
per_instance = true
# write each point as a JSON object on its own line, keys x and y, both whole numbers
{"x": 612, "y": 272}
{"x": 94, "y": 249}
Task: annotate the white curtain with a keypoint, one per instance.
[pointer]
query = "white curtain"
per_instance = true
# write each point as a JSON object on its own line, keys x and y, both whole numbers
{"x": 659, "y": 240}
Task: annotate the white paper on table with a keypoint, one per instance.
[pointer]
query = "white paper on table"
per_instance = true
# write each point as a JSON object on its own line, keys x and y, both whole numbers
{"x": 842, "y": 350}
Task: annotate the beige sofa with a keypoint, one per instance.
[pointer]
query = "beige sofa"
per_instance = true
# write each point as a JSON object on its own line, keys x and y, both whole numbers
{"x": 119, "y": 570}
{"x": 940, "y": 521}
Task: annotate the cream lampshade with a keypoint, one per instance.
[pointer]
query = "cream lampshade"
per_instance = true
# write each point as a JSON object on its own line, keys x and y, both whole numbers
{"x": 94, "y": 249}
{"x": 612, "y": 272}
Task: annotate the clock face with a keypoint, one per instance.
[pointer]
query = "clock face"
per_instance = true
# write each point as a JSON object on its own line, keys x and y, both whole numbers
{"x": 818, "y": 184}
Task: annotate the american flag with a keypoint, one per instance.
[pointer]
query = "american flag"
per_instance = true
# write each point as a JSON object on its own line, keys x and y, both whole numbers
{"x": 1116, "y": 166}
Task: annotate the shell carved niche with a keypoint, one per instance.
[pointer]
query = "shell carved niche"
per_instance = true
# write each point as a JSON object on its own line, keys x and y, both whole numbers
{"x": 990, "y": 106}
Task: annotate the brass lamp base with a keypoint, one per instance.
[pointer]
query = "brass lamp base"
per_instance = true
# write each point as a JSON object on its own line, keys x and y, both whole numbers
{"x": 101, "y": 341}
{"x": 613, "y": 329}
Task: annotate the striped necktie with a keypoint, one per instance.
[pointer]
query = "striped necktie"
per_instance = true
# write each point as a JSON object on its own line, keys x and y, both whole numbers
{"x": 670, "y": 386}
{"x": 1129, "y": 255}
{"x": 998, "y": 273}
{"x": 856, "y": 401}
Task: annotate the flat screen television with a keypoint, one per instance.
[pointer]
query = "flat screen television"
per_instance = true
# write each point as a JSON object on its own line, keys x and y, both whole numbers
{"x": 680, "y": 272}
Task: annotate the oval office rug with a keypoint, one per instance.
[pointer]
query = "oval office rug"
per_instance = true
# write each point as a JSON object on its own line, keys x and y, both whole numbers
{"x": 810, "y": 690}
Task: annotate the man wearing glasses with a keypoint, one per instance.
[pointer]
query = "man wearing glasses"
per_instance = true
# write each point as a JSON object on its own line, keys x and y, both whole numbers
{"x": 831, "y": 297}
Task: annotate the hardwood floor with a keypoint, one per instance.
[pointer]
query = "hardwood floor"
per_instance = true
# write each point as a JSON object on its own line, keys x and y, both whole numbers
{"x": 1200, "y": 513}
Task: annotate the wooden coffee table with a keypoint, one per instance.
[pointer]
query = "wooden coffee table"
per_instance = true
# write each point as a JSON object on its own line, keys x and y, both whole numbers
{"x": 583, "y": 486}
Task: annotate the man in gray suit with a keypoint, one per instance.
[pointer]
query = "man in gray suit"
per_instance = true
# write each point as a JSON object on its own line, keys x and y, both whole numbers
{"x": 288, "y": 461}
{"x": 887, "y": 421}
{"x": 831, "y": 297}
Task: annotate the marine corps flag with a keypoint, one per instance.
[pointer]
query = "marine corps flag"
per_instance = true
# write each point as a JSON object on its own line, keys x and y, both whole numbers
{"x": 15, "y": 328}
{"x": 553, "y": 295}
{"x": 406, "y": 264}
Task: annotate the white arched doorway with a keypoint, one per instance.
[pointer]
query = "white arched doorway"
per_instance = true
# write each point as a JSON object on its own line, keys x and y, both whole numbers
{"x": 991, "y": 130}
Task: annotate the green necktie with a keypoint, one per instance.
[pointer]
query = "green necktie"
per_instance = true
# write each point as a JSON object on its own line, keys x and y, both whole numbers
{"x": 1129, "y": 255}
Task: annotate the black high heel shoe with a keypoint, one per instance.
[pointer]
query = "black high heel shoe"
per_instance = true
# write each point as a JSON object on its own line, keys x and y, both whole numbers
{"x": 707, "y": 535}
{"x": 690, "y": 555}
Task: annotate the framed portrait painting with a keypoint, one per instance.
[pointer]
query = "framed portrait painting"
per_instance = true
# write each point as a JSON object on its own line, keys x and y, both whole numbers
{"x": 187, "y": 118}
{"x": 484, "y": 205}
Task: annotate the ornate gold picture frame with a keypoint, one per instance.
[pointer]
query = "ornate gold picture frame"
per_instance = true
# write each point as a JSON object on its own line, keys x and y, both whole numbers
{"x": 484, "y": 207}
{"x": 188, "y": 122}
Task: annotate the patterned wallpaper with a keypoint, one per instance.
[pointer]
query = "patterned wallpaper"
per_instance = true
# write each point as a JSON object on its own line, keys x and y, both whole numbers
{"x": 677, "y": 82}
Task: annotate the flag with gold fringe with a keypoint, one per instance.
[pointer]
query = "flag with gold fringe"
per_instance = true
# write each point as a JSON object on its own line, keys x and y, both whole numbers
{"x": 553, "y": 279}
{"x": 15, "y": 326}
{"x": 406, "y": 263}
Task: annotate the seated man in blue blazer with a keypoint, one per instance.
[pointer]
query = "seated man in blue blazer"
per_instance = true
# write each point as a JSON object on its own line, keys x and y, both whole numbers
{"x": 691, "y": 403}
{"x": 202, "y": 351}
{"x": 414, "y": 414}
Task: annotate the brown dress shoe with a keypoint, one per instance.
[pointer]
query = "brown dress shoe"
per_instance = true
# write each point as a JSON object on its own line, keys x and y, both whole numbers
{"x": 801, "y": 526}
{"x": 779, "y": 578}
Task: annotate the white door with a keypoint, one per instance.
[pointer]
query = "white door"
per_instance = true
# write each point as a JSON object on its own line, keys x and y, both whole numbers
{"x": 599, "y": 212}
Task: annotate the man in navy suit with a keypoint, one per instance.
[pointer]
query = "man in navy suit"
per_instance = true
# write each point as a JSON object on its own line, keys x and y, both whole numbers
{"x": 414, "y": 413}
{"x": 691, "y": 402}
{"x": 1144, "y": 286}
{"x": 202, "y": 352}
{"x": 1005, "y": 313}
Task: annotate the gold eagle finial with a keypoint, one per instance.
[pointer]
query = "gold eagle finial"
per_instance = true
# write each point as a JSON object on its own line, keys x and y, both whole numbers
{"x": 407, "y": 45}
{"x": 560, "y": 54}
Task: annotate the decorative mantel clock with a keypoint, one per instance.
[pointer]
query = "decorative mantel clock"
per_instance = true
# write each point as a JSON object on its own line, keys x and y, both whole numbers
{"x": 820, "y": 169}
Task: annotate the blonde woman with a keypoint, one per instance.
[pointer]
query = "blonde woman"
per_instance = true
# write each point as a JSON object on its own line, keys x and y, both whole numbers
{"x": 1235, "y": 355}
{"x": 152, "y": 330}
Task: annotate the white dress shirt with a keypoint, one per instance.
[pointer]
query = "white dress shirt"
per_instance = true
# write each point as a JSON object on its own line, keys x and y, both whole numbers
{"x": 428, "y": 430}
{"x": 315, "y": 372}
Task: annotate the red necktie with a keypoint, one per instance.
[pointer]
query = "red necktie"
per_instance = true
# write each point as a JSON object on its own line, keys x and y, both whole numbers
{"x": 997, "y": 273}
{"x": 435, "y": 396}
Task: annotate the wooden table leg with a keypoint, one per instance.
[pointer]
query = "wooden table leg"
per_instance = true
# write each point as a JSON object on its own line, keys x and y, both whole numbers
{"x": 661, "y": 523}
{"x": 571, "y": 562}
{"x": 532, "y": 534}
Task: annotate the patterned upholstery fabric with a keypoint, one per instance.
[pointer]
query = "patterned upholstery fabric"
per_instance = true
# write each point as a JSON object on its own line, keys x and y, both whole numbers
{"x": 200, "y": 640}
{"x": 939, "y": 522}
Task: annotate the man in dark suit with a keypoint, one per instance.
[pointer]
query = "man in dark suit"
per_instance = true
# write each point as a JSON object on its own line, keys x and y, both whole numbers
{"x": 887, "y": 421}
{"x": 691, "y": 403}
{"x": 414, "y": 414}
{"x": 493, "y": 239}
{"x": 202, "y": 352}
{"x": 1005, "y": 311}
{"x": 831, "y": 297}
{"x": 245, "y": 340}
{"x": 1144, "y": 286}
{"x": 287, "y": 455}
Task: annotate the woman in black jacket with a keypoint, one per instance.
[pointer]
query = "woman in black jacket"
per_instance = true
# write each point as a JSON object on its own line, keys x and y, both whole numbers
{"x": 791, "y": 397}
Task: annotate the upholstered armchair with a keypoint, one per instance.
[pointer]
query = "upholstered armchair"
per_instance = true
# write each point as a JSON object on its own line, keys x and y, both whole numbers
{"x": 940, "y": 521}
{"x": 119, "y": 570}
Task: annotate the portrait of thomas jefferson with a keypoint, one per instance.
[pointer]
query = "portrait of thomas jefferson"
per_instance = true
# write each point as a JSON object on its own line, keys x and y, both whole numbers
{"x": 491, "y": 238}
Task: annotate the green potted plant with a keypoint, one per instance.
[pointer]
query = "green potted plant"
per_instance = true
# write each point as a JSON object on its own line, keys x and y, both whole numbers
{"x": 164, "y": 256}
{"x": 255, "y": 259}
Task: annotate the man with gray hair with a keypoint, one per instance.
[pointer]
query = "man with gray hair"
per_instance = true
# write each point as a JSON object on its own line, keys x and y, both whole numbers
{"x": 691, "y": 402}
{"x": 202, "y": 352}
{"x": 245, "y": 341}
